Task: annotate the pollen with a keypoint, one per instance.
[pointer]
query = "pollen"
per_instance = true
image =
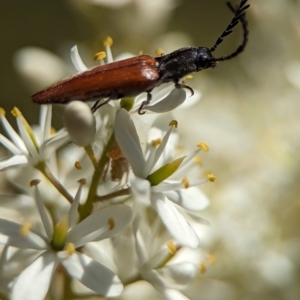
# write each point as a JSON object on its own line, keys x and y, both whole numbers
{"x": 16, "y": 112}
{"x": 173, "y": 123}
{"x": 108, "y": 41}
{"x": 156, "y": 142}
{"x": 2, "y": 112}
{"x": 111, "y": 223}
{"x": 25, "y": 228}
{"x": 70, "y": 249}
{"x": 211, "y": 177}
{"x": 198, "y": 160}
{"x": 34, "y": 182}
{"x": 77, "y": 165}
{"x": 203, "y": 146}
{"x": 100, "y": 55}
{"x": 185, "y": 182}
{"x": 203, "y": 267}
{"x": 172, "y": 247}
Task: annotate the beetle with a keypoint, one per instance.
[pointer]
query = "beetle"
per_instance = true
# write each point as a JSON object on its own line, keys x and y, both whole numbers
{"x": 133, "y": 76}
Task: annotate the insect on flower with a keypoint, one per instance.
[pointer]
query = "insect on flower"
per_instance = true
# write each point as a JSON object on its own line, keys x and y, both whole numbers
{"x": 133, "y": 76}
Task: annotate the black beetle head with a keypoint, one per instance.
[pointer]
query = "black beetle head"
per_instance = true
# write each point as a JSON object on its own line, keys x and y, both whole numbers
{"x": 205, "y": 59}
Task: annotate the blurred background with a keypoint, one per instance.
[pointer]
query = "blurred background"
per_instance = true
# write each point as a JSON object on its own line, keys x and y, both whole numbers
{"x": 248, "y": 114}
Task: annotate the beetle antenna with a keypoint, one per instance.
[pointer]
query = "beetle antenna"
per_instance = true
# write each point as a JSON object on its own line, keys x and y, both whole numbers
{"x": 239, "y": 16}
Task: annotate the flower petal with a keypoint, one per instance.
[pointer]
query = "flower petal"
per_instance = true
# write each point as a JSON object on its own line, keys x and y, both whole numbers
{"x": 92, "y": 274}
{"x": 34, "y": 281}
{"x": 76, "y": 60}
{"x": 192, "y": 198}
{"x": 129, "y": 141}
{"x": 178, "y": 275}
{"x": 176, "y": 224}
{"x": 14, "y": 161}
{"x": 10, "y": 234}
{"x": 96, "y": 226}
{"x": 171, "y": 101}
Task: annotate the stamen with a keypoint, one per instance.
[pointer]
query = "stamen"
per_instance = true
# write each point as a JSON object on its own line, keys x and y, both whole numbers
{"x": 52, "y": 131}
{"x": 211, "y": 177}
{"x": 2, "y": 112}
{"x": 108, "y": 41}
{"x": 70, "y": 249}
{"x": 173, "y": 123}
{"x": 25, "y": 229}
{"x": 16, "y": 112}
{"x": 100, "y": 55}
{"x": 190, "y": 76}
{"x": 156, "y": 143}
{"x": 185, "y": 182}
{"x": 82, "y": 181}
{"x": 211, "y": 258}
{"x": 159, "y": 51}
{"x": 172, "y": 247}
{"x": 198, "y": 160}
{"x": 203, "y": 267}
{"x": 34, "y": 182}
{"x": 203, "y": 146}
{"x": 111, "y": 223}
{"x": 77, "y": 165}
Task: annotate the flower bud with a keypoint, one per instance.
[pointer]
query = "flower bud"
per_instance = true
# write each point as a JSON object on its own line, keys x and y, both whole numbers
{"x": 80, "y": 123}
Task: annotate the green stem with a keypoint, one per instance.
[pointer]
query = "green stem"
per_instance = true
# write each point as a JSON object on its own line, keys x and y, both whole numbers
{"x": 91, "y": 154}
{"x": 85, "y": 209}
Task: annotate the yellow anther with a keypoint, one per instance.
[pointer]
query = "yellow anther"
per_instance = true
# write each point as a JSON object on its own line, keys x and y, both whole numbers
{"x": 25, "y": 229}
{"x": 16, "y": 112}
{"x": 52, "y": 131}
{"x": 2, "y": 112}
{"x": 82, "y": 181}
{"x": 70, "y": 249}
{"x": 198, "y": 160}
{"x": 190, "y": 76}
{"x": 173, "y": 123}
{"x": 203, "y": 267}
{"x": 211, "y": 177}
{"x": 211, "y": 258}
{"x": 108, "y": 41}
{"x": 111, "y": 223}
{"x": 172, "y": 247}
{"x": 203, "y": 146}
{"x": 185, "y": 182}
{"x": 159, "y": 51}
{"x": 100, "y": 55}
{"x": 77, "y": 165}
{"x": 34, "y": 182}
{"x": 156, "y": 142}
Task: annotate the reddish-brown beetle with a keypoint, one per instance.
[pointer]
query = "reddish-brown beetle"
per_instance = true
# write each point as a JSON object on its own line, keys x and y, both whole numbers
{"x": 130, "y": 77}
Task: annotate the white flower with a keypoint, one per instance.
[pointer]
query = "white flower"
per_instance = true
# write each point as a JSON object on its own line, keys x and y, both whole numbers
{"x": 166, "y": 187}
{"x": 58, "y": 246}
{"x": 154, "y": 266}
{"x": 30, "y": 146}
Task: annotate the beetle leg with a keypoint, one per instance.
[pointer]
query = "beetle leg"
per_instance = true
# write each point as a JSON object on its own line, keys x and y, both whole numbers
{"x": 184, "y": 86}
{"x": 98, "y": 105}
{"x": 149, "y": 97}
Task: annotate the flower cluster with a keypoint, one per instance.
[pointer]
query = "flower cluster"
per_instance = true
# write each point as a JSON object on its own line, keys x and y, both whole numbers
{"x": 106, "y": 202}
